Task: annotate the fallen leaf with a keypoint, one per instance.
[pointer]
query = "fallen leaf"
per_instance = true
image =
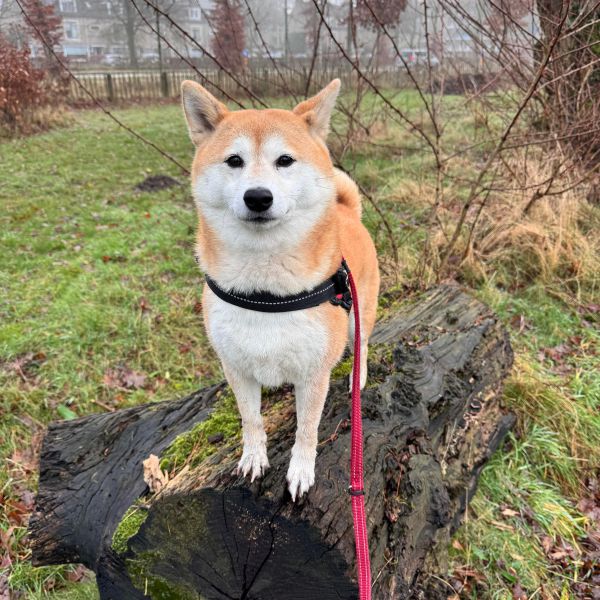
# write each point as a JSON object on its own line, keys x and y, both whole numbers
{"x": 111, "y": 378}
{"x": 557, "y": 353}
{"x": 468, "y": 573}
{"x": 77, "y": 574}
{"x": 28, "y": 499}
{"x": 6, "y": 537}
{"x": 519, "y": 323}
{"x": 124, "y": 378}
{"x": 518, "y": 593}
{"x": 116, "y": 258}
{"x": 24, "y": 460}
{"x": 547, "y": 544}
{"x": 144, "y": 305}
{"x": 153, "y": 476}
{"x": 133, "y": 379}
{"x": 589, "y": 308}
{"x": 4, "y": 593}
{"x": 457, "y": 545}
{"x": 24, "y": 365}
{"x": 590, "y": 508}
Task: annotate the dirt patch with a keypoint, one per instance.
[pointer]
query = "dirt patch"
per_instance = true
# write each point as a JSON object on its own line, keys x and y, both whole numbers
{"x": 155, "y": 183}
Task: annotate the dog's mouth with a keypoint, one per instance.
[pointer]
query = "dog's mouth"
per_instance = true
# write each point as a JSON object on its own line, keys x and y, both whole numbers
{"x": 259, "y": 219}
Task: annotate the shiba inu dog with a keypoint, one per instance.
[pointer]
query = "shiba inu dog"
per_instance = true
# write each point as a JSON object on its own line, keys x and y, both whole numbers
{"x": 276, "y": 218}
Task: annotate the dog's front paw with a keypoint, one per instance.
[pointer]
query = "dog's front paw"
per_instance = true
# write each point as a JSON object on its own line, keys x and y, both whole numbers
{"x": 301, "y": 473}
{"x": 254, "y": 461}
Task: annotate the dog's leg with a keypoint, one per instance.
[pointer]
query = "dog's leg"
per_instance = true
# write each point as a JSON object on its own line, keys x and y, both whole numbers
{"x": 364, "y": 346}
{"x": 310, "y": 398}
{"x": 248, "y": 395}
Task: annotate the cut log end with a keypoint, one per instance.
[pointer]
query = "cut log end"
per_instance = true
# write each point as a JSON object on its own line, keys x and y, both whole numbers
{"x": 432, "y": 417}
{"x": 230, "y": 544}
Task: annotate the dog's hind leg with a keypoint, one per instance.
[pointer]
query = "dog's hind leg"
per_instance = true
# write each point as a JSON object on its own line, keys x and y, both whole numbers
{"x": 247, "y": 392}
{"x": 310, "y": 398}
{"x": 364, "y": 345}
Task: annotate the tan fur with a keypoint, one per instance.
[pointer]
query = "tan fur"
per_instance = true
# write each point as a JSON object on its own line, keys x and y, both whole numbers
{"x": 347, "y": 192}
{"x": 337, "y": 232}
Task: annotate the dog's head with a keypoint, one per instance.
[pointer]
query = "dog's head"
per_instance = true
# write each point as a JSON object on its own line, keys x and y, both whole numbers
{"x": 260, "y": 175}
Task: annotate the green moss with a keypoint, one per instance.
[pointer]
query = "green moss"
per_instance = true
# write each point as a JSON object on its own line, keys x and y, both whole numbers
{"x": 384, "y": 353}
{"x": 157, "y": 588}
{"x": 193, "y": 446}
{"x": 130, "y": 524}
{"x": 342, "y": 369}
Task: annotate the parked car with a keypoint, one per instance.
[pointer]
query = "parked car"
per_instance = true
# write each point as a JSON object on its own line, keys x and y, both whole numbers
{"x": 113, "y": 59}
{"x": 416, "y": 56}
{"x": 149, "y": 57}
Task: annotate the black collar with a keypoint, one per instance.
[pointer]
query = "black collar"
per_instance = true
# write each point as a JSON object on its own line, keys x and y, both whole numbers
{"x": 335, "y": 290}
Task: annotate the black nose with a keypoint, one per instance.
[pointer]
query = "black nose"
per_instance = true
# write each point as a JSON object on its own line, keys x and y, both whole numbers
{"x": 258, "y": 199}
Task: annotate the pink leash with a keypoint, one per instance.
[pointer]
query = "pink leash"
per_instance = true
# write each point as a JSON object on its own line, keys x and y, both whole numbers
{"x": 356, "y": 464}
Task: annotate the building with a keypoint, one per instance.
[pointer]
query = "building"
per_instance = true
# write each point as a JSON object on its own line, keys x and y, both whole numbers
{"x": 114, "y": 32}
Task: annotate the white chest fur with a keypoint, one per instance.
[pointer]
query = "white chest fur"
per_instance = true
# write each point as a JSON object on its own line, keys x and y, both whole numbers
{"x": 274, "y": 348}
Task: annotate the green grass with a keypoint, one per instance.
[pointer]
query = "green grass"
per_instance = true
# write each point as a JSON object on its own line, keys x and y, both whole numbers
{"x": 100, "y": 310}
{"x": 97, "y": 278}
{"x": 528, "y": 493}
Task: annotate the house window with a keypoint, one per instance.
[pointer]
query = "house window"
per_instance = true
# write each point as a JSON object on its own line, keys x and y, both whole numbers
{"x": 71, "y": 29}
{"x": 75, "y": 51}
{"x": 68, "y": 6}
{"x": 195, "y": 14}
{"x": 196, "y": 33}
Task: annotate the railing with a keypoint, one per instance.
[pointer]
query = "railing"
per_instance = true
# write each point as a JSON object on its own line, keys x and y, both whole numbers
{"x": 124, "y": 86}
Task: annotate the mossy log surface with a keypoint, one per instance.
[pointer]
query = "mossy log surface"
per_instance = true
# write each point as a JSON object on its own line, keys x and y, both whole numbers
{"x": 431, "y": 419}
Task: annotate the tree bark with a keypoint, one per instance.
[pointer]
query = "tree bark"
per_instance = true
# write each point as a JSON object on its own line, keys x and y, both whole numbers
{"x": 432, "y": 417}
{"x": 130, "y": 27}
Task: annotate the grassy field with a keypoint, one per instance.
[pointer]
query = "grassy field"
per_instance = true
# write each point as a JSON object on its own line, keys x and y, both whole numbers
{"x": 100, "y": 310}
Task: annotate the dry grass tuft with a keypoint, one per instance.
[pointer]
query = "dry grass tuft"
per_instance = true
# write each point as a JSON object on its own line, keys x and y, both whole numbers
{"x": 520, "y": 237}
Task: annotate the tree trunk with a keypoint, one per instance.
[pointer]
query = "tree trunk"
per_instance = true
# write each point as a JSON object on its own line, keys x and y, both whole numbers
{"x": 432, "y": 417}
{"x": 130, "y": 27}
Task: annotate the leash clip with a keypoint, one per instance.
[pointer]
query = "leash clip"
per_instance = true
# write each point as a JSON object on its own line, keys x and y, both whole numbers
{"x": 355, "y": 492}
{"x": 343, "y": 295}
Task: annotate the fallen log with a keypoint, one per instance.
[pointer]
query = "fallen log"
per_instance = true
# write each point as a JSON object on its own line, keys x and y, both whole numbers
{"x": 432, "y": 417}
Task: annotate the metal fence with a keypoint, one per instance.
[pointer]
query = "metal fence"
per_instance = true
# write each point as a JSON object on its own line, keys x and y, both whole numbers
{"x": 126, "y": 86}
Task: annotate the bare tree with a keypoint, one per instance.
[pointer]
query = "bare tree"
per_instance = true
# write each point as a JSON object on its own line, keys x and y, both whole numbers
{"x": 571, "y": 88}
{"x": 129, "y": 22}
{"x": 44, "y": 25}
{"x": 229, "y": 38}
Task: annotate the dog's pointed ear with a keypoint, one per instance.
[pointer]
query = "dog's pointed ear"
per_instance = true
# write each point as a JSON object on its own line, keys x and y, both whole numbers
{"x": 316, "y": 111}
{"x": 203, "y": 111}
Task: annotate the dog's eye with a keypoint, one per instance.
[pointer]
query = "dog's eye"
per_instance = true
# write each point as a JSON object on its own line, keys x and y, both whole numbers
{"x": 235, "y": 162}
{"x": 285, "y": 160}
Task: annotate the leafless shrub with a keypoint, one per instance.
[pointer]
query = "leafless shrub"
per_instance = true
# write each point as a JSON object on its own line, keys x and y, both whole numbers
{"x": 27, "y": 96}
